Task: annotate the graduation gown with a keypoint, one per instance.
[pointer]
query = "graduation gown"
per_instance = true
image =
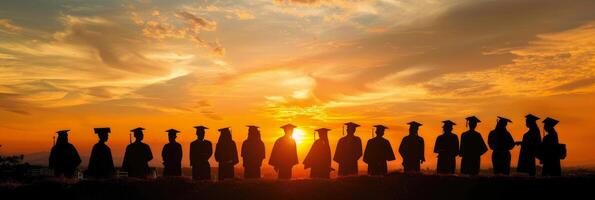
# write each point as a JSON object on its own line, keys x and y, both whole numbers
{"x": 136, "y": 160}
{"x": 447, "y": 147}
{"x": 378, "y": 152}
{"x": 501, "y": 142}
{"x": 101, "y": 164}
{"x": 551, "y": 154}
{"x": 252, "y": 154}
{"x": 472, "y": 148}
{"x": 172, "y": 159}
{"x": 529, "y": 151}
{"x": 226, "y": 154}
{"x": 200, "y": 152}
{"x": 348, "y": 152}
{"x": 319, "y": 159}
{"x": 412, "y": 151}
{"x": 64, "y": 159}
{"x": 284, "y": 156}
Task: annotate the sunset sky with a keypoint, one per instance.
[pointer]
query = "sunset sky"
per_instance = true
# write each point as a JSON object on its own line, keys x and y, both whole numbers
{"x": 160, "y": 64}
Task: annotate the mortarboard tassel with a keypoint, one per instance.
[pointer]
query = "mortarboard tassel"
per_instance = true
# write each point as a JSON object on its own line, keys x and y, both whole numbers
{"x": 343, "y": 130}
{"x": 130, "y": 138}
{"x": 54, "y": 140}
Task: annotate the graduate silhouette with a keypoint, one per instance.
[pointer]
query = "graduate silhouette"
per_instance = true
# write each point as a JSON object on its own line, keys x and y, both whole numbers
{"x": 137, "y": 156}
{"x": 348, "y": 151}
{"x": 64, "y": 159}
{"x": 284, "y": 153}
{"x": 172, "y": 155}
{"x": 226, "y": 154}
{"x": 412, "y": 149}
{"x": 378, "y": 152}
{"x": 529, "y": 146}
{"x": 318, "y": 159}
{"x": 472, "y": 148}
{"x": 253, "y": 153}
{"x": 552, "y": 151}
{"x": 501, "y": 142}
{"x": 447, "y": 148}
{"x": 200, "y": 152}
{"x": 101, "y": 164}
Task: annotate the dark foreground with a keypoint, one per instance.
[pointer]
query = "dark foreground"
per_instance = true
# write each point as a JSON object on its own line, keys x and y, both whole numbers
{"x": 395, "y": 186}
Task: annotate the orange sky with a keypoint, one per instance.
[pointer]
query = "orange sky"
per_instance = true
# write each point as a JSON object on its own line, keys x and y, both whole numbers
{"x": 160, "y": 65}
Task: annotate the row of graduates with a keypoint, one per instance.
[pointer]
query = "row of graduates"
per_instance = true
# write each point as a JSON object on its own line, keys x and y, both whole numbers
{"x": 64, "y": 159}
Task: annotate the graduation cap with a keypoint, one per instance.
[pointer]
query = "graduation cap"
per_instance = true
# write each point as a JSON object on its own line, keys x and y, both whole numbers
{"x": 138, "y": 130}
{"x": 549, "y": 121}
{"x": 350, "y": 124}
{"x": 471, "y": 119}
{"x": 448, "y": 123}
{"x": 102, "y": 130}
{"x": 288, "y": 127}
{"x": 414, "y": 123}
{"x": 504, "y": 119}
{"x": 62, "y": 132}
{"x": 201, "y": 127}
{"x": 379, "y": 126}
{"x": 223, "y": 129}
{"x": 172, "y": 131}
{"x": 252, "y": 127}
{"x": 531, "y": 117}
{"x": 321, "y": 131}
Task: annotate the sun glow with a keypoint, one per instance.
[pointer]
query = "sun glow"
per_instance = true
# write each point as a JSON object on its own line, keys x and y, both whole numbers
{"x": 299, "y": 136}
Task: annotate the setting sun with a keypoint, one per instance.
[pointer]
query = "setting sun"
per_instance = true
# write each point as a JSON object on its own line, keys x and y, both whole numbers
{"x": 299, "y": 136}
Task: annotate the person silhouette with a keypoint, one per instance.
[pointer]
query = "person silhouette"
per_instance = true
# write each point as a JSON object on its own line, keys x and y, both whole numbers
{"x": 101, "y": 164}
{"x": 378, "y": 152}
{"x": 472, "y": 148}
{"x": 447, "y": 148}
{"x": 226, "y": 154}
{"x": 501, "y": 142}
{"x": 412, "y": 149}
{"x": 252, "y": 153}
{"x": 529, "y": 146}
{"x": 172, "y": 155}
{"x": 200, "y": 152}
{"x": 64, "y": 159}
{"x": 319, "y": 156}
{"x": 552, "y": 151}
{"x": 137, "y": 156}
{"x": 348, "y": 151}
{"x": 284, "y": 153}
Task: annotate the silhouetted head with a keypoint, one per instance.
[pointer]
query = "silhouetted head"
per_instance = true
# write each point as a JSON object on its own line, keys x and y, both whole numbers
{"x": 224, "y": 135}
{"x": 502, "y": 123}
{"x": 472, "y": 122}
{"x": 379, "y": 130}
{"x": 288, "y": 128}
{"x": 531, "y": 121}
{"x": 200, "y": 132}
{"x": 447, "y": 126}
{"x": 102, "y": 133}
{"x": 253, "y": 132}
{"x": 172, "y": 134}
{"x": 138, "y": 134}
{"x": 414, "y": 127}
{"x": 62, "y": 136}
{"x": 549, "y": 124}
{"x": 351, "y": 128}
{"x": 323, "y": 133}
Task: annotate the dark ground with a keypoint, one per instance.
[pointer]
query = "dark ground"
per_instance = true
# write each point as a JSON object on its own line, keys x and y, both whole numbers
{"x": 394, "y": 186}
